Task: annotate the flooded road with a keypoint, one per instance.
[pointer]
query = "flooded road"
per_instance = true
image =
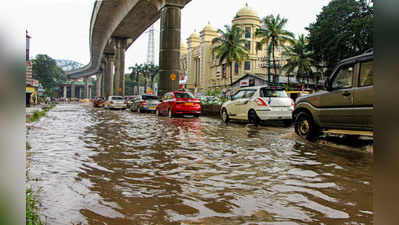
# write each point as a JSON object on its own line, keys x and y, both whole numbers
{"x": 96, "y": 166}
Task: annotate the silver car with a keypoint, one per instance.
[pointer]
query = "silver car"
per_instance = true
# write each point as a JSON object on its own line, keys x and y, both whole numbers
{"x": 115, "y": 102}
{"x": 145, "y": 103}
{"x": 259, "y": 103}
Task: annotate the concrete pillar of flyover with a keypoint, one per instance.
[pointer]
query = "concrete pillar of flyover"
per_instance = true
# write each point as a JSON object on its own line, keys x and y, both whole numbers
{"x": 65, "y": 91}
{"x": 72, "y": 90}
{"x": 169, "y": 51}
{"x": 122, "y": 77}
{"x": 104, "y": 70}
{"x": 80, "y": 92}
{"x": 119, "y": 83}
{"x": 86, "y": 94}
{"x": 108, "y": 78}
{"x": 117, "y": 67}
{"x": 98, "y": 85}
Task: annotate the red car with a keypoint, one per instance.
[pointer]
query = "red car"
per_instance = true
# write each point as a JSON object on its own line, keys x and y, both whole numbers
{"x": 98, "y": 102}
{"x": 179, "y": 103}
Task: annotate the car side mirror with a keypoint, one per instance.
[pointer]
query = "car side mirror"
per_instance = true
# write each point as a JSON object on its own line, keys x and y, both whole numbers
{"x": 160, "y": 100}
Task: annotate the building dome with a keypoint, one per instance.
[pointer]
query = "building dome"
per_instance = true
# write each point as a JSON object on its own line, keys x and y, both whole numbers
{"x": 246, "y": 11}
{"x": 183, "y": 44}
{"x": 209, "y": 28}
{"x": 194, "y": 35}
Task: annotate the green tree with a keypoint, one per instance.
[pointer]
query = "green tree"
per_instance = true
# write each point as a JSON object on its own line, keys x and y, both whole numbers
{"x": 299, "y": 59}
{"x": 153, "y": 71}
{"x": 141, "y": 73}
{"x": 343, "y": 29}
{"x": 135, "y": 74}
{"x": 230, "y": 46}
{"x": 273, "y": 35}
{"x": 46, "y": 71}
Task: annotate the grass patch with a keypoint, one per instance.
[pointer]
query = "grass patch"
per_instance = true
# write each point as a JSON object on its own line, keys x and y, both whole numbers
{"x": 38, "y": 115}
{"x": 32, "y": 218}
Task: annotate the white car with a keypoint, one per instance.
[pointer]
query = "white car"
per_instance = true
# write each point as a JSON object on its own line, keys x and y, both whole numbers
{"x": 115, "y": 102}
{"x": 259, "y": 103}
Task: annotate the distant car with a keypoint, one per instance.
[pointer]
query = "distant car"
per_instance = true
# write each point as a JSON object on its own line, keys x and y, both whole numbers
{"x": 258, "y": 103}
{"x": 130, "y": 100}
{"x": 99, "y": 102}
{"x": 179, "y": 103}
{"x": 347, "y": 103}
{"x": 144, "y": 103}
{"x": 115, "y": 102}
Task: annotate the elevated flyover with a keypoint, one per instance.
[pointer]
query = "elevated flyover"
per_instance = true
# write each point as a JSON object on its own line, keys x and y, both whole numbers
{"x": 115, "y": 25}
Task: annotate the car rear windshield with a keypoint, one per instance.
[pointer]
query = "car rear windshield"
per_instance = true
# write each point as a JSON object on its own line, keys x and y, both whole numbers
{"x": 264, "y": 92}
{"x": 117, "y": 98}
{"x": 149, "y": 97}
{"x": 184, "y": 95}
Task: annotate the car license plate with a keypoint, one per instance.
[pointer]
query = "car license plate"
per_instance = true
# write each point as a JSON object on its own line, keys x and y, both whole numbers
{"x": 188, "y": 103}
{"x": 276, "y": 109}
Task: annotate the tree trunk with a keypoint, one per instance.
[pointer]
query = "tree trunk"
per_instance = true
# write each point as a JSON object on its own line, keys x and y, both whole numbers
{"x": 288, "y": 81}
{"x": 152, "y": 82}
{"x": 137, "y": 84}
{"x": 274, "y": 64}
{"x": 231, "y": 74}
{"x": 145, "y": 83}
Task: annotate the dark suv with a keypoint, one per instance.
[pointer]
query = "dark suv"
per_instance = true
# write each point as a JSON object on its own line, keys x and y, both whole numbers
{"x": 346, "y": 104}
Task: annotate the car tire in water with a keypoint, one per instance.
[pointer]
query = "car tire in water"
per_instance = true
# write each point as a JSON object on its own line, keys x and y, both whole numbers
{"x": 253, "y": 117}
{"x": 225, "y": 116}
{"x": 305, "y": 127}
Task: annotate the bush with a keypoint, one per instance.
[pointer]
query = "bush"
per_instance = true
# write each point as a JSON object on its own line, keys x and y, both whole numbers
{"x": 32, "y": 218}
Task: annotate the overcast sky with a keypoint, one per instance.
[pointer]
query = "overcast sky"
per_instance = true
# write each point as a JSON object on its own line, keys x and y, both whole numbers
{"x": 60, "y": 28}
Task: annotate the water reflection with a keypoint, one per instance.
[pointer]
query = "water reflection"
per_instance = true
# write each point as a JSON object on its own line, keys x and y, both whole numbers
{"x": 130, "y": 168}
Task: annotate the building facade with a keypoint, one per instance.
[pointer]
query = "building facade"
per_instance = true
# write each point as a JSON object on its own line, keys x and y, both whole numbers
{"x": 31, "y": 85}
{"x": 204, "y": 72}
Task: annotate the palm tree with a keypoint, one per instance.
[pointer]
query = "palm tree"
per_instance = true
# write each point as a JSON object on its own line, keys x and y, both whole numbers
{"x": 134, "y": 75}
{"x": 299, "y": 59}
{"x": 145, "y": 71}
{"x": 153, "y": 70}
{"x": 273, "y": 35}
{"x": 230, "y": 46}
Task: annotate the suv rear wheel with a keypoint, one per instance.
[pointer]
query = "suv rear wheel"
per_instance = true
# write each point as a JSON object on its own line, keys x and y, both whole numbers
{"x": 225, "y": 116}
{"x": 305, "y": 127}
{"x": 253, "y": 117}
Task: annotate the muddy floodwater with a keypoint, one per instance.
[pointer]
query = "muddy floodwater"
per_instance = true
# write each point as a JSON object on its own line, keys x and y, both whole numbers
{"x": 96, "y": 166}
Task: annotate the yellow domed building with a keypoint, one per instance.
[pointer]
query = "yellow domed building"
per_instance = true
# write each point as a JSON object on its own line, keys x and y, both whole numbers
{"x": 205, "y": 72}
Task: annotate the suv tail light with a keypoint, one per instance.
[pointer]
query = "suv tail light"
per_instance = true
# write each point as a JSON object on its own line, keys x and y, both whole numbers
{"x": 125, "y": 102}
{"x": 144, "y": 103}
{"x": 292, "y": 103}
{"x": 260, "y": 102}
{"x": 111, "y": 102}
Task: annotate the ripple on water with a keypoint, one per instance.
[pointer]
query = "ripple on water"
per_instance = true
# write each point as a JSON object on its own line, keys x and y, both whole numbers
{"x": 117, "y": 167}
